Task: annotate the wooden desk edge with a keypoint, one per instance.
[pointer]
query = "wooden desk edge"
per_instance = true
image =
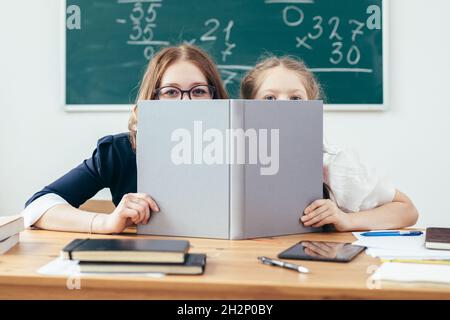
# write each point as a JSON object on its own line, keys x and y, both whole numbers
{"x": 55, "y": 287}
{"x": 33, "y": 286}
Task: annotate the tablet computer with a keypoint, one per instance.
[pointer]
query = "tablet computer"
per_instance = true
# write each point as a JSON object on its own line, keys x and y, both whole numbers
{"x": 322, "y": 251}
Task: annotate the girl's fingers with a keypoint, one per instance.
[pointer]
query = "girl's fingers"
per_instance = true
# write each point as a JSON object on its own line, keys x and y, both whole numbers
{"x": 327, "y": 220}
{"x": 130, "y": 213}
{"x": 317, "y": 218}
{"x": 314, "y": 213}
{"x": 151, "y": 203}
{"x": 314, "y": 205}
{"x": 140, "y": 206}
{"x": 145, "y": 216}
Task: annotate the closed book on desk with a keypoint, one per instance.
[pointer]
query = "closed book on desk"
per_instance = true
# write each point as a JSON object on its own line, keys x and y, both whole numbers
{"x": 438, "y": 238}
{"x": 229, "y": 169}
{"x": 194, "y": 264}
{"x": 8, "y": 243}
{"x": 10, "y": 226}
{"x": 127, "y": 250}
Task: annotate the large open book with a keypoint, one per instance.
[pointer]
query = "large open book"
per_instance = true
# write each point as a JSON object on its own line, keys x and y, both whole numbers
{"x": 230, "y": 169}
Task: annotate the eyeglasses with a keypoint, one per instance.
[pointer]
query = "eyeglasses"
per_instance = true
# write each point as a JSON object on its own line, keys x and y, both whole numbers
{"x": 194, "y": 93}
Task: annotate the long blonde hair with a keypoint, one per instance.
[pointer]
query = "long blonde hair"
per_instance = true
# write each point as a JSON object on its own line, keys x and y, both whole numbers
{"x": 253, "y": 79}
{"x": 158, "y": 66}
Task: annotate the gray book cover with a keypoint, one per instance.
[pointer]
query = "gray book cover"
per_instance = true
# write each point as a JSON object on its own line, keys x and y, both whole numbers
{"x": 268, "y": 198}
{"x": 229, "y": 169}
{"x": 193, "y": 196}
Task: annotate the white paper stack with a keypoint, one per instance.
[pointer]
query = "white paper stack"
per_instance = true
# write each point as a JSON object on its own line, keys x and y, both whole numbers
{"x": 70, "y": 268}
{"x": 406, "y": 249}
{"x": 400, "y": 247}
{"x": 412, "y": 272}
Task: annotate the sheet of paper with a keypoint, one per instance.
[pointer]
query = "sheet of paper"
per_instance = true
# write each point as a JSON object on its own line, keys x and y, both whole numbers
{"x": 399, "y": 247}
{"x": 420, "y": 254}
{"x": 64, "y": 267}
{"x": 412, "y": 272}
{"x": 397, "y": 243}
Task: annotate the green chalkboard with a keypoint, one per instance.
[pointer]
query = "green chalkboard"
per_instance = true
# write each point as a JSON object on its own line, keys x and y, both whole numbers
{"x": 340, "y": 40}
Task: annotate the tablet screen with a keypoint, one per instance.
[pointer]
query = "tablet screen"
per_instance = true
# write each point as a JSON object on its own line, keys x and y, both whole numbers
{"x": 322, "y": 251}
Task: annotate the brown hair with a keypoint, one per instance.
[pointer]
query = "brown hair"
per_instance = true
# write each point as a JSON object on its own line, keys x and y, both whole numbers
{"x": 253, "y": 79}
{"x": 158, "y": 66}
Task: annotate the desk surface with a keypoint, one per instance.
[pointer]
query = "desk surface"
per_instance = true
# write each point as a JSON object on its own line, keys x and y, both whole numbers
{"x": 232, "y": 272}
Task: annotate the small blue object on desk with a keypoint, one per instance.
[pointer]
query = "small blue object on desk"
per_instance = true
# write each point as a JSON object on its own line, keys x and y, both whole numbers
{"x": 391, "y": 233}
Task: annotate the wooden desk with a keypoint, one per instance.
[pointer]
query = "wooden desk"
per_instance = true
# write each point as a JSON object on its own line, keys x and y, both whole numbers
{"x": 232, "y": 272}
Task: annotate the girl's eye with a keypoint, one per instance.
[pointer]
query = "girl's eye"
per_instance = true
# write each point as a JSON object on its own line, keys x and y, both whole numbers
{"x": 270, "y": 98}
{"x": 199, "y": 92}
{"x": 296, "y": 98}
{"x": 170, "y": 93}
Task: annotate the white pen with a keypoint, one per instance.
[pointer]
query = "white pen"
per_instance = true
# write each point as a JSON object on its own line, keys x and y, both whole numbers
{"x": 283, "y": 264}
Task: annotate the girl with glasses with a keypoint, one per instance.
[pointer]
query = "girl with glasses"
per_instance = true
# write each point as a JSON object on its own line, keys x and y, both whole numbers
{"x": 183, "y": 72}
{"x": 359, "y": 199}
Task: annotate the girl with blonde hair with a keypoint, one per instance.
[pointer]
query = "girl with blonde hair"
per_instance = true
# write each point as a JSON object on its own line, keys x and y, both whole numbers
{"x": 356, "y": 198}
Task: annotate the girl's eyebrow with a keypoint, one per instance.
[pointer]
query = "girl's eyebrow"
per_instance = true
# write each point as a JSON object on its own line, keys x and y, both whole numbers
{"x": 297, "y": 90}
{"x": 270, "y": 90}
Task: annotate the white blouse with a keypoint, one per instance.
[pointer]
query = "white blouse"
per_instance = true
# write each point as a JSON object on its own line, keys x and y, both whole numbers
{"x": 354, "y": 186}
{"x": 35, "y": 210}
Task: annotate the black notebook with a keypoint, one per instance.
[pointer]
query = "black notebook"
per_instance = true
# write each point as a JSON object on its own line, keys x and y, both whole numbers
{"x": 194, "y": 264}
{"x": 438, "y": 238}
{"x": 127, "y": 250}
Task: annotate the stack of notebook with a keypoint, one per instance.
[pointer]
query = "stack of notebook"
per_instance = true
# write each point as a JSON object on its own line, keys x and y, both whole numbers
{"x": 134, "y": 256}
{"x": 10, "y": 227}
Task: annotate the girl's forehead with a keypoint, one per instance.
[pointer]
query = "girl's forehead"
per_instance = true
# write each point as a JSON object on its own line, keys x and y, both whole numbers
{"x": 183, "y": 72}
{"x": 280, "y": 77}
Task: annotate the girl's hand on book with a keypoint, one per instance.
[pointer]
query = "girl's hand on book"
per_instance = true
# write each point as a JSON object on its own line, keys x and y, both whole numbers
{"x": 134, "y": 208}
{"x": 325, "y": 211}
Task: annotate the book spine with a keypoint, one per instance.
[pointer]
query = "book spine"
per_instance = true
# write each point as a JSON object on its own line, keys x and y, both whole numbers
{"x": 237, "y": 173}
{"x": 72, "y": 247}
{"x": 7, "y": 244}
{"x": 11, "y": 228}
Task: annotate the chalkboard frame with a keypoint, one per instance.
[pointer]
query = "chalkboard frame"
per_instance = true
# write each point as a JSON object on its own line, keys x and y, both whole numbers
{"x": 82, "y": 108}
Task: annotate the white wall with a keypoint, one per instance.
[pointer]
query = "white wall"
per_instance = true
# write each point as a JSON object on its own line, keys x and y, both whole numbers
{"x": 39, "y": 141}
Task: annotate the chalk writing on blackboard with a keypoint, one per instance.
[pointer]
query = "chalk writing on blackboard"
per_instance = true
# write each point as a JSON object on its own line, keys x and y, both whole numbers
{"x": 109, "y": 42}
{"x": 143, "y": 22}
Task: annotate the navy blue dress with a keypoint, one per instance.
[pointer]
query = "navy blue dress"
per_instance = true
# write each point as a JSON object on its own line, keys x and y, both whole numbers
{"x": 112, "y": 165}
